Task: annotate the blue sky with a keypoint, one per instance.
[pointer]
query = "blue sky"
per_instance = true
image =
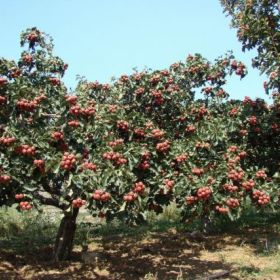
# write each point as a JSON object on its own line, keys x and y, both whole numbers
{"x": 101, "y": 39}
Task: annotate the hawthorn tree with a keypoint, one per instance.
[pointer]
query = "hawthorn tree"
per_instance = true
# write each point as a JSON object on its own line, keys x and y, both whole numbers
{"x": 125, "y": 148}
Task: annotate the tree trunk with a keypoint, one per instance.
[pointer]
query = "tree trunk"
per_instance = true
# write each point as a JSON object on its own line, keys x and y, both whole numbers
{"x": 65, "y": 236}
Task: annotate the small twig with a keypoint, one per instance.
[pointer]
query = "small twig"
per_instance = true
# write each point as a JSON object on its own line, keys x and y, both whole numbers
{"x": 215, "y": 276}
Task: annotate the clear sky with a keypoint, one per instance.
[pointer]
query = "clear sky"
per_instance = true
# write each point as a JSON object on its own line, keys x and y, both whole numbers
{"x": 100, "y": 39}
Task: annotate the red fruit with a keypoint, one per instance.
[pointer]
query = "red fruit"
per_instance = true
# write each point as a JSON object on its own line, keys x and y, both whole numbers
{"x": 197, "y": 171}
{"x": 25, "y": 205}
{"x": 191, "y": 200}
{"x": 71, "y": 99}
{"x": 230, "y": 188}
{"x": 157, "y": 133}
{"x": 32, "y": 37}
{"x": 68, "y": 161}
{"x": 19, "y": 196}
{"x": 77, "y": 203}
{"x": 139, "y": 187}
{"x": 123, "y": 125}
{"x": 131, "y": 196}
{"x": 163, "y": 147}
{"x": 54, "y": 81}
{"x": 261, "y": 174}
{"x": 204, "y": 193}
{"x": 232, "y": 202}
{"x": 253, "y": 120}
{"x": 101, "y": 195}
{"x": 27, "y": 59}
{"x": 2, "y": 100}
{"x": 3, "y": 81}
{"x": 169, "y": 184}
{"x": 248, "y": 185}
{"x": 232, "y": 149}
{"x": 73, "y": 123}
{"x": 57, "y": 135}
{"x": 190, "y": 129}
{"x": 222, "y": 210}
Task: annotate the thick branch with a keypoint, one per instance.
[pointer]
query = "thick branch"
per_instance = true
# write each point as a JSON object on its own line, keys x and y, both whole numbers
{"x": 50, "y": 201}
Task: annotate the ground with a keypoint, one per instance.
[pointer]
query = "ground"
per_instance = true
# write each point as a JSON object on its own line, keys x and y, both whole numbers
{"x": 169, "y": 254}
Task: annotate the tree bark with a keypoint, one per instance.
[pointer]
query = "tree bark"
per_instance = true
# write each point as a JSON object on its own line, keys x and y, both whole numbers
{"x": 65, "y": 236}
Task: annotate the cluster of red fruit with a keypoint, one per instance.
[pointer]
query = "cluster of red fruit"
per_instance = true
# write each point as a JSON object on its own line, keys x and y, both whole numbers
{"x": 26, "y": 105}
{"x": 233, "y": 112}
{"x": 236, "y": 175}
{"x": 191, "y": 199}
{"x": 243, "y": 132}
{"x": 139, "y": 187}
{"x": 157, "y": 94}
{"x": 221, "y": 209}
{"x": 78, "y": 111}
{"x": 238, "y": 67}
{"x": 115, "y": 157}
{"x": 117, "y": 142}
{"x": 202, "y": 111}
{"x": 4, "y": 179}
{"x": 26, "y": 150}
{"x": 29, "y": 106}
{"x": 19, "y": 196}
{"x": 181, "y": 158}
{"x": 54, "y": 81}
{"x": 2, "y": 100}
{"x": 32, "y": 37}
{"x": 112, "y": 108}
{"x": 90, "y": 166}
{"x": 71, "y": 99}
{"x": 253, "y": 120}
{"x": 157, "y": 133}
{"x": 204, "y": 193}
{"x": 101, "y": 195}
{"x": 68, "y": 161}
{"x": 200, "y": 145}
{"x": 261, "y": 197}
{"x": 40, "y": 164}
{"x": 233, "y": 149}
{"x": 144, "y": 164}
{"x": 248, "y": 185}
{"x": 190, "y": 128}
{"x": 163, "y": 147}
{"x": 7, "y": 140}
{"x": 140, "y": 132}
{"x": 155, "y": 79}
{"x": 3, "y": 81}
{"x": 123, "y": 125}
{"x": 139, "y": 91}
{"x": 27, "y": 59}
{"x": 232, "y": 202}
{"x": 57, "y": 135}
{"x": 78, "y": 203}
{"x": 230, "y": 187}
{"x": 25, "y": 205}
{"x": 261, "y": 174}
{"x": 169, "y": 184}
{"x": 131, "y": 196}
{"x": 74, "y": 123}
{"x": 197, "y": 171}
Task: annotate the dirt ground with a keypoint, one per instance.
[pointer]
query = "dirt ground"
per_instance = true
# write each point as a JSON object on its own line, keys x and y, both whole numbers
{"x": 162, "y": 256}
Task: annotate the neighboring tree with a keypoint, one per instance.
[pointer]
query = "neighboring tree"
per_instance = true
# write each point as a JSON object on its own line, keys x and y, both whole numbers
{"x": 126, "y": 148}
{"x": 258, "y": 27}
